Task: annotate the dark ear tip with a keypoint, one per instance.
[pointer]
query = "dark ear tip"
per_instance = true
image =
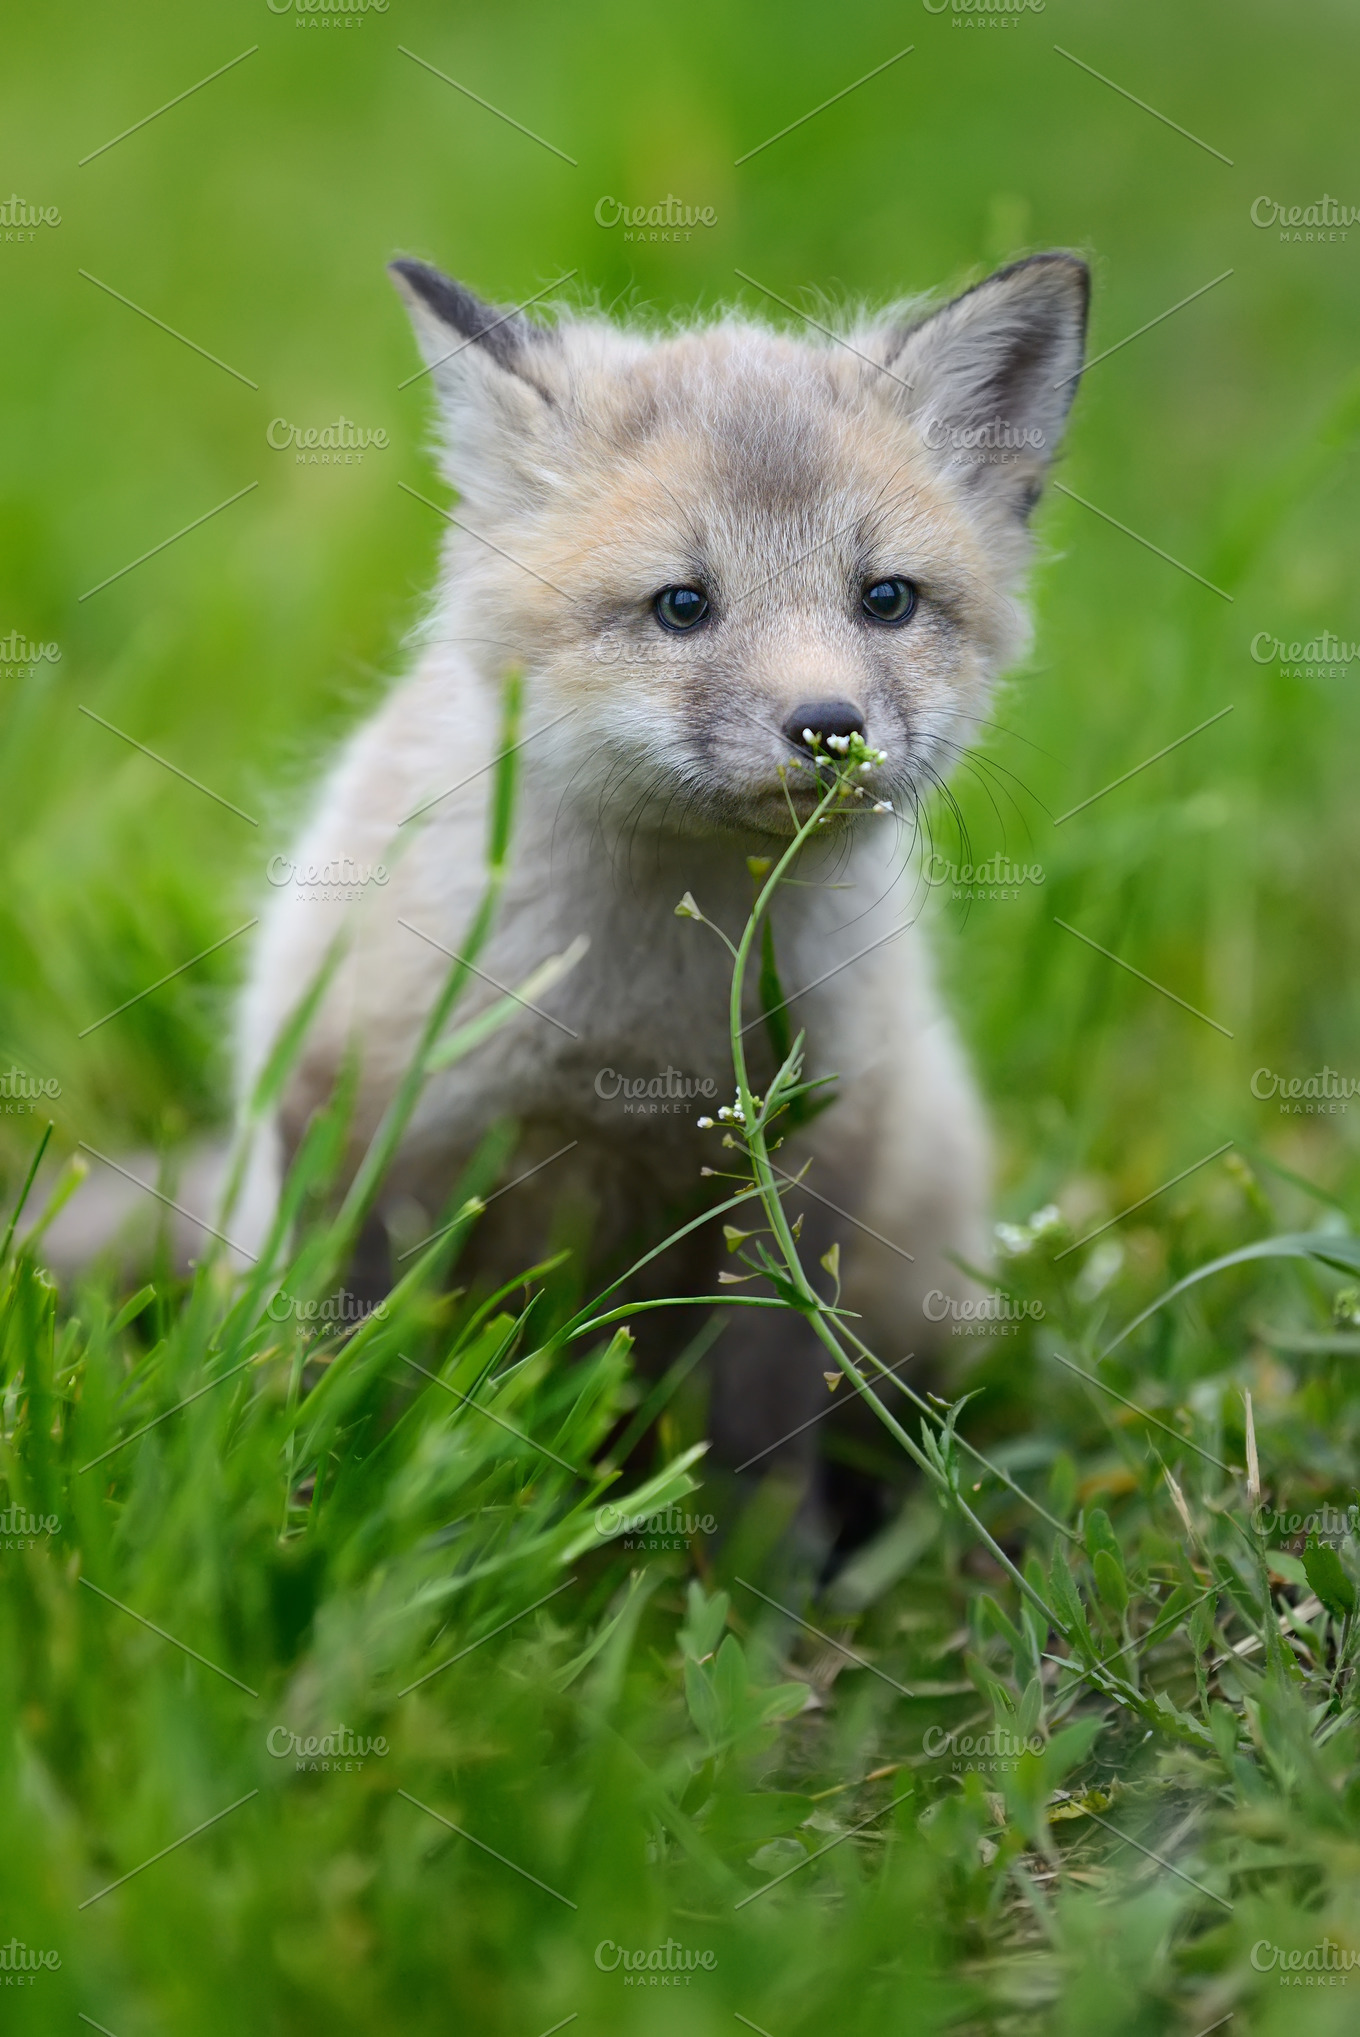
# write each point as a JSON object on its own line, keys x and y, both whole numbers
{"x": 1077, "y": 267}
{"x": 419, "y": 278}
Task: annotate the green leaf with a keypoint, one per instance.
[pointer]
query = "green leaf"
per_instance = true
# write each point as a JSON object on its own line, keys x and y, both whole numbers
{"x": 131, "y": 1309}
{"x": 705, "y": 1619}
{"x": 1031, "y": 1707}
{"x": 1110, "y": 1581}
{"x": 1100, "y": 1535}
{"x": 1066, "y": 1603}
{"x": 773, "y": 1006}
{"x": 1332, "y": 1248}
{"x": 1328, "y": 1579}
{"x": 1026, "y": 1659}
{"x": 1223, "y": 1724}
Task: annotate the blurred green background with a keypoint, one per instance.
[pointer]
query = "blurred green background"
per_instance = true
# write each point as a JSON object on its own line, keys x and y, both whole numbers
{"x": 256, "y": 216}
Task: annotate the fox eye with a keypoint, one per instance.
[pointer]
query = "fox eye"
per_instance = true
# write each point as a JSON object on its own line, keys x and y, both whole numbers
{"x": 889, "y": 600}
{"x": 679, "y": 608}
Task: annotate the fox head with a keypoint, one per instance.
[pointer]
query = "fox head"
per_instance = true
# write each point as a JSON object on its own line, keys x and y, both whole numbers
{"x": 712, "y": 549}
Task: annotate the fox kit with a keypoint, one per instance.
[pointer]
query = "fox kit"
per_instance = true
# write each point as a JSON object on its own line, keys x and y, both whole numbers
{"x": 707, "y": 553}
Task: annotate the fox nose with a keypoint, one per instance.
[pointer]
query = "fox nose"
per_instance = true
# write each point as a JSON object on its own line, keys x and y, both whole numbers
{"x": 816, "y": 719}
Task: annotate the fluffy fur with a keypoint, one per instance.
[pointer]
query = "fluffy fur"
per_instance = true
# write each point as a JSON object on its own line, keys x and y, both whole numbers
{"x": 594, "y": 466}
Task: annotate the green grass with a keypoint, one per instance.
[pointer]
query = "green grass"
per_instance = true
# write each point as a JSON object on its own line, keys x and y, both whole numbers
{"x": 633, "y": 1741}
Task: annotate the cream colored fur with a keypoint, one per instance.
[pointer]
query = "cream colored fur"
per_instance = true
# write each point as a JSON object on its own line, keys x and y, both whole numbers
{"x": 593, "y": 467}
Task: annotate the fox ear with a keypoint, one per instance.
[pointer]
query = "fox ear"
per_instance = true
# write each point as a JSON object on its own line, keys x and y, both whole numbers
{"x": 491, "y": 370}
{"x": 991, "y": 377}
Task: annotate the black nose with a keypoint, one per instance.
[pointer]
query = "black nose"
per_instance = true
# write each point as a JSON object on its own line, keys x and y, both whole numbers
{"x": 818, "y": 719}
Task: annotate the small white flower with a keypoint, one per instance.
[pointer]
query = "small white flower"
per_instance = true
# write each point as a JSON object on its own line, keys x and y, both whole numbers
{"x": 808, "y": 736}
{"x": 725, "y": 1113}
{"x": 1049, "y": 1218}
{"x": 705, "y": 1124}
{"x": 1013, "y": 1239}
